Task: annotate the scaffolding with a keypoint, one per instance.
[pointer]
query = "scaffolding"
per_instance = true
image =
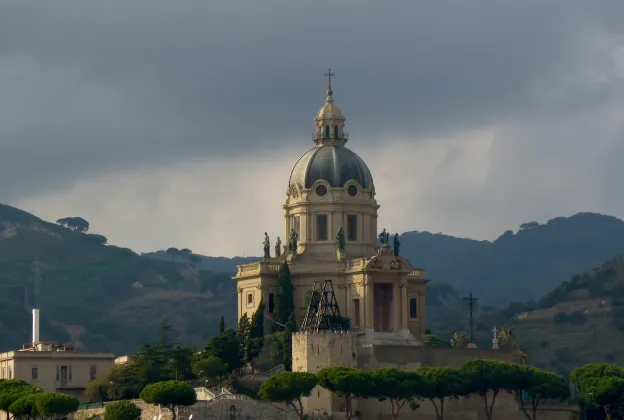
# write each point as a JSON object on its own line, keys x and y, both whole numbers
{"x": 323, "y": 312}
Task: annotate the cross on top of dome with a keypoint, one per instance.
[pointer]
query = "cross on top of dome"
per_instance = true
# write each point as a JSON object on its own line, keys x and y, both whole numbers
{"x": 329, "y": 120}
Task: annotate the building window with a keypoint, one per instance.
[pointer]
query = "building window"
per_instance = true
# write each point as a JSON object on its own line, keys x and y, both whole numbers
{"x": 92, "y": 372}
{"x": 355, "y": 315}
{"x": 326, "y": 131}
{"x": 69, "y": 373}
{"x": 3, "y": 373}
{"x": 249, "y": 298}
{"x": 10, "y": 372}
{"x": 321, "y": 190}
{"x": 352, "y": 227}
{"x": 271, "y": 303}
{"x": 335, "y": 131}
{"x": 34, "y": 373}
{"x": 321, "y": 227}
{"x": 296, "y": 224}
{"x": 413, "y": 307}
{"x": 58, "y": 373}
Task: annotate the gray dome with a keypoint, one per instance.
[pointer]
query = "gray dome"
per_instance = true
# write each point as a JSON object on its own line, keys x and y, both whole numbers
{"x": 333, "y": 164}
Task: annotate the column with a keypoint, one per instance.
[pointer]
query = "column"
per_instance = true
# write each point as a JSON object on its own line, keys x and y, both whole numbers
{"x": 287, "y": 223}
{"x": 404, "y": 307}
{"x": 369, "y": 305}
{"x": 396, "y": 304}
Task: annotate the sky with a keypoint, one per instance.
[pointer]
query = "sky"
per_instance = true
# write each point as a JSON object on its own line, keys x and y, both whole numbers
{"x": 177, "y": 123}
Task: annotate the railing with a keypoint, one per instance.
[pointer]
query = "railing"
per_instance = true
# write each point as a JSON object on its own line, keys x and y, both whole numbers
{"x": 227, "y": 397}
{"x": 266, "y": 374}
{"x": 345, "y": 136}
{"x": 89, "y": 406}
{"x": 257, "y": 268}
{"x": 416, "y": 273}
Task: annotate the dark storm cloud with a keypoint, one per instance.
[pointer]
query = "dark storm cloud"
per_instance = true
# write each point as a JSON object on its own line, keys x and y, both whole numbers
{"x": 93, "y": 87}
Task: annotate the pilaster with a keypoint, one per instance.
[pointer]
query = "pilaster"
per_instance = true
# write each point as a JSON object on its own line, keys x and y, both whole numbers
{"x": 369, "y": 306}
{"x": 396, "y": 300}
{"x": 404, "y": 308}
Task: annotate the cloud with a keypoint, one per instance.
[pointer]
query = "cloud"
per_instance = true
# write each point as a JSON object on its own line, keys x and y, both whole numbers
{"x": 177, "y": 124}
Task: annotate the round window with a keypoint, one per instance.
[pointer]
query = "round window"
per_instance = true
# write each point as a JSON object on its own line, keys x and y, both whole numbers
{"x": 321, "y": 190}
{"x": 352, "y": 190}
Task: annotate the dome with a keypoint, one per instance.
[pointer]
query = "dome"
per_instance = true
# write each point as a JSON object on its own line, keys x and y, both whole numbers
{"x": 329, "y": 111}
{"x": 334, "y": 164}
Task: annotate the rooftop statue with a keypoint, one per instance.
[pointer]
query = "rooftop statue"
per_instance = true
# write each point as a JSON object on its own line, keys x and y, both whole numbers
{"x": 384, "y": 237}
{"x": 340, "y": 237}
{"x": 397, "y": 244}
{"x": 267, "y": 246}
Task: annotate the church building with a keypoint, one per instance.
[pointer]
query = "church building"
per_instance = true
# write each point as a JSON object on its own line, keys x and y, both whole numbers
{"x": 330, "y": 226}
{"x": 332, "y": 238}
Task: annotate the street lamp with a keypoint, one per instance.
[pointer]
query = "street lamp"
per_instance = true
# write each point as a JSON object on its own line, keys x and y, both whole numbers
{"x": 113, "y": 388}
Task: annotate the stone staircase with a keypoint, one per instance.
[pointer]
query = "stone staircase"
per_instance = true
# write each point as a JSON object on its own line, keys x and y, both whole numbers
{"x": 262, "y": 376}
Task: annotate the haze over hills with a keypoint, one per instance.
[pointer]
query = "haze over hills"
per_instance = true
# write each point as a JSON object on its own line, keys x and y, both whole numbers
{"x": 108, "y": 298}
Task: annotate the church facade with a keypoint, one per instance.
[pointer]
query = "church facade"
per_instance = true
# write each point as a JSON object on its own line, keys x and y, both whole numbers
{"x": 330, "y": 226}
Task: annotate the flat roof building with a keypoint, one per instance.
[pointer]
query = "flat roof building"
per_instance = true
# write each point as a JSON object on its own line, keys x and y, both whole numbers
{"x": 54, "y": 367}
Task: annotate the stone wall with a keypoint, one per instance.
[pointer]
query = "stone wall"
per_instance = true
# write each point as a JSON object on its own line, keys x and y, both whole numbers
{"x": 228, "y": 406}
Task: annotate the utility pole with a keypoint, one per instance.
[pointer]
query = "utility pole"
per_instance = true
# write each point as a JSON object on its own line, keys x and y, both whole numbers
{"x": 471, "y": 301}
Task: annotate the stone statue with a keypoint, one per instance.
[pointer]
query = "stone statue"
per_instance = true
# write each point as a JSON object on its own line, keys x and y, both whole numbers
{"x": 397, "y": 244}
{"x": 384, "y": 237}
{"x": 278, "y": 247}
{"x": 340, "y": 237}
{"x": 292, "y": 241}
{"x": 267, "y": 246}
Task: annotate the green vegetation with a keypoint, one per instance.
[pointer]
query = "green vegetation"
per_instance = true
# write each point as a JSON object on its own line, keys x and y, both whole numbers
{"x": 289, "y": 388}
{"x": 170, "y": 394}
{"x": 122, "y": 410}
{"x": 23, "y": 401}
{"x": 101, "y": 297}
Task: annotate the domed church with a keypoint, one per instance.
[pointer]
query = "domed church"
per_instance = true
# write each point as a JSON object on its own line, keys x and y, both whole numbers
{"x": 331, "y": 233}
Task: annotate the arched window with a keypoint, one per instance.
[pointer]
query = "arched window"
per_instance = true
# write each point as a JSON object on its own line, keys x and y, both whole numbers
{"x": 326, "y": 131}
{"x": 335, "y": 131}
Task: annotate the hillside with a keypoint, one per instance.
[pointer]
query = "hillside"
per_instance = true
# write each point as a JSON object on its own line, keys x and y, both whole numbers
{"x": 517, "y": 266}
{"x": 100, "y": 296}
{"x": 580, "y": 321}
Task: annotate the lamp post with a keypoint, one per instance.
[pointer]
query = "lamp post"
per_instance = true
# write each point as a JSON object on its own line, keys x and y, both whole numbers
{"x": 113, "y": 388}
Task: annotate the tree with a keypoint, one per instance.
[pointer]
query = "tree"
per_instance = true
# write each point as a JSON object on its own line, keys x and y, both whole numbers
{"x": 210, "y": 367}
{"x": 544, "y": 386}
{"x": 291, "y": 328}
{"x": 11, "y": 390}
{"x": 74, "y": 223}
{"x": 399, "y": 387}
{"x": 170, "y": 394}
{"x": 221, "y": 325}
{"x": 256, "y": 333}
{"x": 347, "y": 383}
{"x": 172, "y": 252}
{"x": 122, "y": 410}
{"x": 244, "y": 327}
{"x": 98, "y": 239}
{"x": 602, "y": 385}
{"x": 25, "y": 407}
{"x": 227, "y": 348}
{"x": 55, "y": 406}
{"x": 444, "y": 383}
{"x": 488, "y": 376}
{"x": 289, "y": 388}
{"x": 285, "y": 301}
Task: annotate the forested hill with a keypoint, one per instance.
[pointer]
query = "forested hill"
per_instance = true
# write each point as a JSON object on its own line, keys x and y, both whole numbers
{"x": 520, "y": 265}
{"x": 99, "y": 296}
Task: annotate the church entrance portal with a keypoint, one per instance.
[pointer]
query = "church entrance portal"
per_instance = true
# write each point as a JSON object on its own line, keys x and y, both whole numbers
{"x": 382, "y": 298}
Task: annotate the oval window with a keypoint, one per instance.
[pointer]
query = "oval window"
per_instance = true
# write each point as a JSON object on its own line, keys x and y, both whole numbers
{"x": 352, "y": 190}
{"x": 321, "y": 190}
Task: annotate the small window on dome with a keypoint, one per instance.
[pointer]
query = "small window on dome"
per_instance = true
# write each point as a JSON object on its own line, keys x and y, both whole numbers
{"x": 321, "y": 190}
{"x": 335, "y": 131}
{"x": 326, "y": 131}
{"x": 352, "y": 190}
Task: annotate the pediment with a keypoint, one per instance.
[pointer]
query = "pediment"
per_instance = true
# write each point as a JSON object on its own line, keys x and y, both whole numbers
{"x": 389, "y": 263}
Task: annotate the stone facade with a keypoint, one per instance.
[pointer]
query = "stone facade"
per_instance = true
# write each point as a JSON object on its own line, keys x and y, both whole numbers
{"x": 315, "y": 351}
